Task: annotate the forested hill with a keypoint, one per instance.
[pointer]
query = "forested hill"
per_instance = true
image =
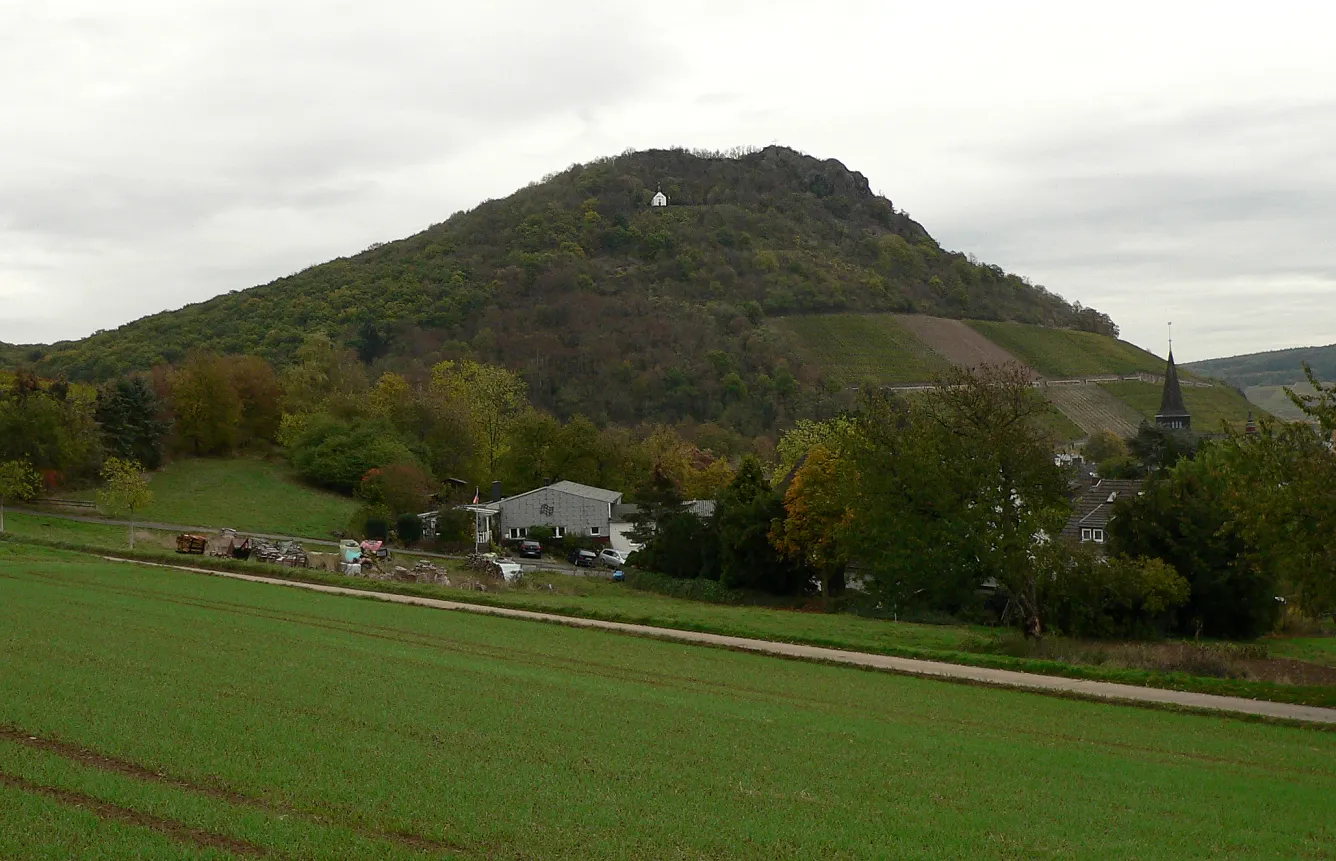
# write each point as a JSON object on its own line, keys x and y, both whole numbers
{"x": 1274, "y": 368}
{"x": 606, "y": 305}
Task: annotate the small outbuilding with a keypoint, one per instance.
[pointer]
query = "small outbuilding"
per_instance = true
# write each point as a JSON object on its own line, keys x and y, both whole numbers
{"x": 659, "y": 199}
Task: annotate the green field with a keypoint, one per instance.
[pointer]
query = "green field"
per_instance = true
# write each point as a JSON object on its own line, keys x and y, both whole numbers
{"x": 1209, "y": 407}
{"x": 1066, "y": 353}
{"x": 859, "y": 347}
{"x": 244, "y": 493}
{"x": 212, "y": 718}
{"x": 600, "y": 598}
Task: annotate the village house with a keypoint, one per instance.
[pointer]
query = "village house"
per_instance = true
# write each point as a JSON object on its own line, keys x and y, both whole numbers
{"x": 566, "y": 507}
{"x": 1093, "y": 509}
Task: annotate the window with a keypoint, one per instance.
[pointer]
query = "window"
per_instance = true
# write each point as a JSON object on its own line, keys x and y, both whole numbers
{"x": 558, "y": 532}
{"x": 518, "y": 532}
{"x": 1086, "y": 534}
{"x": 594, "y": 530}
{"x": 1099, "y": 536}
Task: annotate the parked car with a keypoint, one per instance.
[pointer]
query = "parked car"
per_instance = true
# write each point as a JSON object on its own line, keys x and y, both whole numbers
{"x": 583, "y": 558}
{"x": 531, "y": 549}
{"x": 612, "y": 558}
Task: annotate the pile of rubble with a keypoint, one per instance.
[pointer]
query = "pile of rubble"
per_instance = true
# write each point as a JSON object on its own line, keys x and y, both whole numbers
{"x": 422, "y": 572}
{"x": 289, "y": 554}
{"x": 286, "y": 553}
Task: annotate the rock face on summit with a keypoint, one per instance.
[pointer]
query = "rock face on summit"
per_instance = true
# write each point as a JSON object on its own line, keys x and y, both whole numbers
{"x": 607, "y": 305}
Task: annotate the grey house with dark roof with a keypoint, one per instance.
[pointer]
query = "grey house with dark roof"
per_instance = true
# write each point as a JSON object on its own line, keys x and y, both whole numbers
{"x": 566, "y": 507}
{"x": 1093, "y": 509}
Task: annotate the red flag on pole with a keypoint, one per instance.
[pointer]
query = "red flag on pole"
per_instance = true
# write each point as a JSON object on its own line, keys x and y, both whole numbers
{"x": 475, "y": 496}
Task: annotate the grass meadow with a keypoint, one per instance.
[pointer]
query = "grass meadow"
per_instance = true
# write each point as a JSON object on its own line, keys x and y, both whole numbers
{"x": 859, "y": 347}
{"x": 1209, "y": 407}
{"x": 1066, "y": 353}
{"x": 154, "y": 714}
{"x": 244, "y": 493}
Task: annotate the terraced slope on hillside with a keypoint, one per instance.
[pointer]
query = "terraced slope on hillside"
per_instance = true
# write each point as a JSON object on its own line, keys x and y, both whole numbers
{"x": 856, "y": 348}
{"x": 955, "y": 341}
{"x": 1094, "y": 409}
{"x": 1273, "y": 400}
{"x": 1209, "y": 406}
{"x": 1060, "y": 354}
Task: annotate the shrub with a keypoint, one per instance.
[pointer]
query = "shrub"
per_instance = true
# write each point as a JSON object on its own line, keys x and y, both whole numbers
{"x": 454, "y": 526}
{"x": 336, "y": 454}
{"x": 376, "y": 529}
{"x": 1092, "y": 596}
{"x": 403, "y": 488}
{"x": 409, "y": 528}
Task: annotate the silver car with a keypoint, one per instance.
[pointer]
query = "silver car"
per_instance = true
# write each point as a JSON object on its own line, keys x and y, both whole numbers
{"x": 612, "y": 558}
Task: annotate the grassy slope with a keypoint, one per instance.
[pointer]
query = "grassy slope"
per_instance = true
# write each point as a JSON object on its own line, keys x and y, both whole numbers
{"x": 1060, "y": 426}
{"x": 1065, "y": 353}
{"x": 1209, "y": 407}
{"x": 858, "y": 347}
{"x": 246, "y": 494}
{"x": 516, "y": 740}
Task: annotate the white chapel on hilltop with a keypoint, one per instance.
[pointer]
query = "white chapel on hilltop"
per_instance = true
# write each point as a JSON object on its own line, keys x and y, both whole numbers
{"x": 659, "y": 199}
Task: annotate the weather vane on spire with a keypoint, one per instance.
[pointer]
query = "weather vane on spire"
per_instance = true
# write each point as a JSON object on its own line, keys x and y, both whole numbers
{"x": 1171, "y": 336}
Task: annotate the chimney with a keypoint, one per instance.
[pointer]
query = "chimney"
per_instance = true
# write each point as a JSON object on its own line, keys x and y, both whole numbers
{"x": 496, "y": 491}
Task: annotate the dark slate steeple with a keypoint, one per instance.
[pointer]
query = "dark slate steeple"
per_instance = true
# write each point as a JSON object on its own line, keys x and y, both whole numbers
{"x": 1173, "y": 414}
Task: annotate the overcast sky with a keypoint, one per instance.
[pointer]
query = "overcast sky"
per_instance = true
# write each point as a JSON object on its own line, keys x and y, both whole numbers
{"x": 1158, "y": 161}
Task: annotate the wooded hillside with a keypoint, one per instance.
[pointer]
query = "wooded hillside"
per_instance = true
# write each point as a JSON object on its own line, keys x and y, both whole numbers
{"x": 605, "y": 305}
{"x": 1274, "y": 368}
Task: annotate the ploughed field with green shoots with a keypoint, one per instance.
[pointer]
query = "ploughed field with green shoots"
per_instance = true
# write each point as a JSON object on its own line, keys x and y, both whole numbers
{"x": 156, "y": 714}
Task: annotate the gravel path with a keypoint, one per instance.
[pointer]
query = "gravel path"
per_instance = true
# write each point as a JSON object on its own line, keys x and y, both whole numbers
{"x": 910, "y": 666}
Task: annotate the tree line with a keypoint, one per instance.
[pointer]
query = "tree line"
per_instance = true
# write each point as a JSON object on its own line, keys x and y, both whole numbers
{"x": 951, "y": 502}
{"x": 398, "y": 443}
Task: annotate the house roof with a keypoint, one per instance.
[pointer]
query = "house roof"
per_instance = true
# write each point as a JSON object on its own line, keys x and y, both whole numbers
{"x": 611, "y": 497}
{"x": 1093, "y": 509}
{"x": 702, "y": 508}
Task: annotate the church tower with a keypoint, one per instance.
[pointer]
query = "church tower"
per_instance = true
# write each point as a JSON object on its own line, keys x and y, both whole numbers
{"x": 1173, "y": 414}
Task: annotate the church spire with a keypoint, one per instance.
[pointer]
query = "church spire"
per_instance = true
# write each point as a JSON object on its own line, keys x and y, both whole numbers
{"x": 1173, "y": 414}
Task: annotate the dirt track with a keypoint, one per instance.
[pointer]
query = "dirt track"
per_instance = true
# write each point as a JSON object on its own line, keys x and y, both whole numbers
{"x": 910, "y": 666}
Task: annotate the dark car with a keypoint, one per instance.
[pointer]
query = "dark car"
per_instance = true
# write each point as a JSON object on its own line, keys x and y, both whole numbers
{"x": 583, "y": 558}
{"x": 531, "y": 550}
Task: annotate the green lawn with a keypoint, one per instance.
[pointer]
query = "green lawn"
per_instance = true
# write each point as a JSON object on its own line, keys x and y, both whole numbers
{"x": 1065, "y": 353}
{"x": 1209, "y": 407}
{"x": 247, "y": 494}
{"x": 227, "y": 714}
{"x": 858, "y": 347}
{"x": 1317, "y": 650}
